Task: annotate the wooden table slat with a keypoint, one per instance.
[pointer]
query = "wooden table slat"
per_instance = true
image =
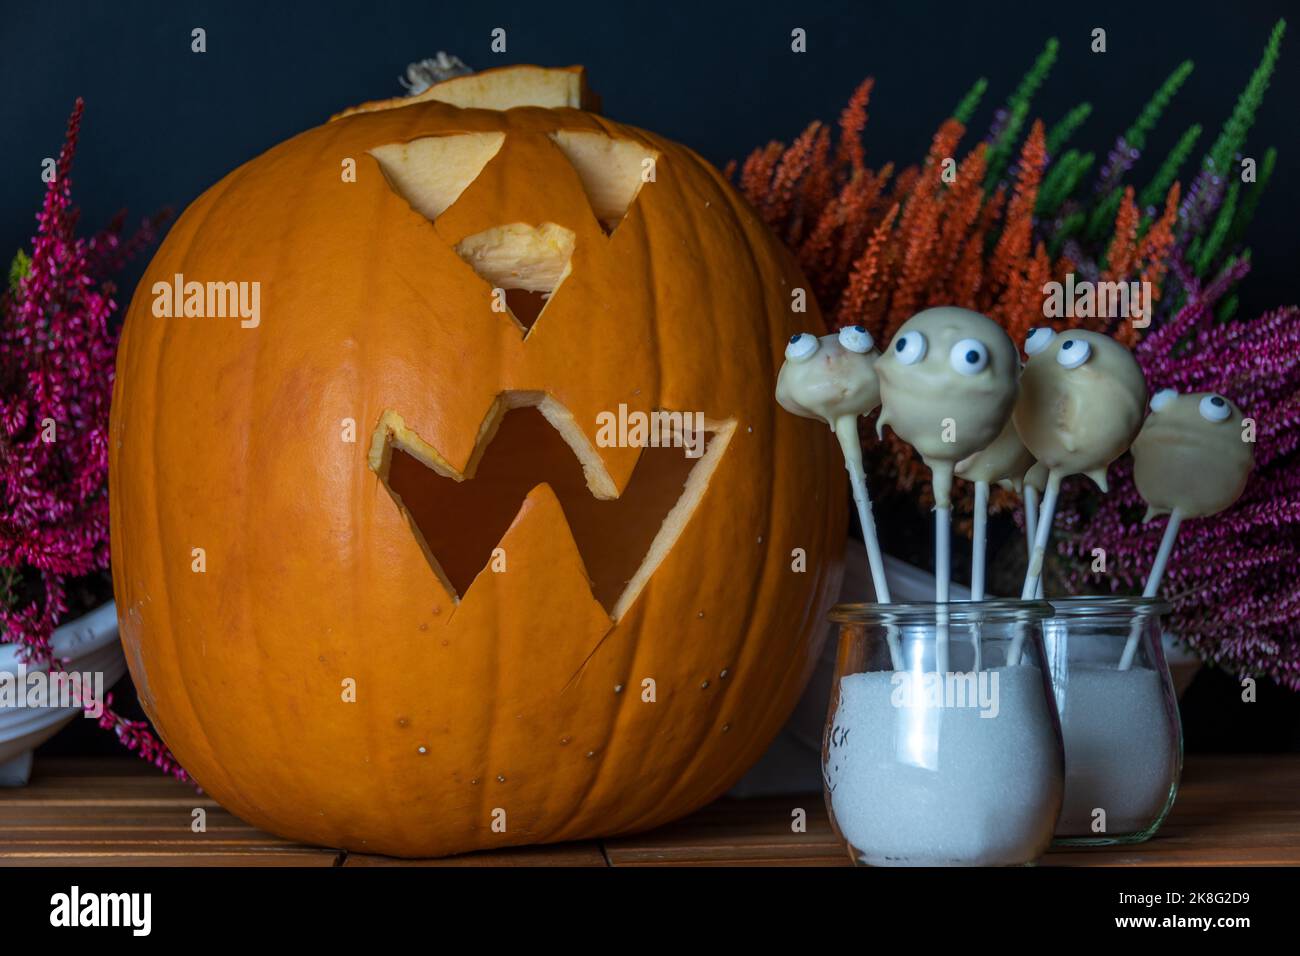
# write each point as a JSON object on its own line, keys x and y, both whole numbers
{"x": 563, "y": 854}
{"x": 1231, "y": 811}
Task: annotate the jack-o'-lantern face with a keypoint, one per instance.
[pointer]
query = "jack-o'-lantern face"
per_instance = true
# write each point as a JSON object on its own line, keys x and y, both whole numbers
{"x": 520, "y": 269}
{"x": 441, "y": 571}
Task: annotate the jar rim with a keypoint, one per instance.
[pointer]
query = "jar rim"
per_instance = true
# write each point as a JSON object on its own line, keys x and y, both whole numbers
{"x": 993, "y": 610}
{"x": 1106, "y": 605}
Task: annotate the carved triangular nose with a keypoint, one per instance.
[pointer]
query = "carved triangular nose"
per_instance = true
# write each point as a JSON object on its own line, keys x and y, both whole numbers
{"x": 523, "y": 264}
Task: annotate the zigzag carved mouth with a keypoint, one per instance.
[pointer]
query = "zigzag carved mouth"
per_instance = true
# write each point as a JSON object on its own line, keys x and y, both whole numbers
{"x": 460, "y": 519}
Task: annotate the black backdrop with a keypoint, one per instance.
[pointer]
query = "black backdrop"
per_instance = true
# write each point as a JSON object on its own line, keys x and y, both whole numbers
{"x": 163, "y": 123}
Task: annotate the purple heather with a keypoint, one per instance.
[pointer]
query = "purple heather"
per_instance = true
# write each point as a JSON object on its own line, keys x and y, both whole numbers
{"x": 1232, "y": 578}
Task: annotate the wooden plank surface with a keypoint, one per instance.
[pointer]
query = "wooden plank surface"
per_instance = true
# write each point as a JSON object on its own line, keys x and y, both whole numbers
{"x": 107, "y": 811}
{"x": 1231, "y": 811}
{"x": 560, "y": 854}
{"x": 758, "y": 832}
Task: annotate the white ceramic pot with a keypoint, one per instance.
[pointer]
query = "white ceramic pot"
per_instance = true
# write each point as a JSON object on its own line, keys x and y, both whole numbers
{"x": 89, "y": 644}
{"x": 793, "y": 763}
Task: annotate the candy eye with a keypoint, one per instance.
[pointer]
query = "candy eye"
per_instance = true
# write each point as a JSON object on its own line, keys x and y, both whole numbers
{"x": 1073, "y": 353}
{"x": 1038, "y": 339}
{"x": 1162, "y": 398}
{"x": 856, "y": 338}
{"x": 969, "y": 356}
{"x": 910, "y": 348}
{"x": 1215, "y": 408}
{"x": 802, "y": 346}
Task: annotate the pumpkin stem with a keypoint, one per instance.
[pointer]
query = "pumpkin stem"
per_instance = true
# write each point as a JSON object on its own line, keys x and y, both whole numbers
{"x": 502, "y": 88}
{"x": 425, "y": 73}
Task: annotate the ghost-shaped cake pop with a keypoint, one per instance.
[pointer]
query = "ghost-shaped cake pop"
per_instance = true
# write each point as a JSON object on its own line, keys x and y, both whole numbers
{"x": 1081, "y": 402}
{"x": 1005, "y": 462}
{"x": 947, "y": 387}
{"x": 1190, "y": 455}
{"x": 832, "y": 378}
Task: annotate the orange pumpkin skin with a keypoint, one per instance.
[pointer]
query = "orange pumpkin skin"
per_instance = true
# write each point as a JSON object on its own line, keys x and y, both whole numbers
{"x": 522, "y": 695}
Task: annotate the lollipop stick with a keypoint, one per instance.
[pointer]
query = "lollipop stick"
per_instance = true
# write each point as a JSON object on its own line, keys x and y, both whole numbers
{"x": 978, "y": 535}
{"x": 1152, "y": 586}
{"x": 1033, "y": 578}
{"x": 942, "y": 579}
{"x": 1042, "y": 534}
{"x": 846, "y": 430}
{"x": 1031, "y": 527}
{"x": 1031, "y": 519}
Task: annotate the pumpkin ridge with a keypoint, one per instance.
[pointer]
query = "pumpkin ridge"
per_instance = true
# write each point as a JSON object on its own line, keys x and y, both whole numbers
{"x": 579, "y": 806}
{"x": 740, "y": 210}
{"x": 821, "y": 593}
{"x": 161, "y": 339}
{"x": 708, "y": 727}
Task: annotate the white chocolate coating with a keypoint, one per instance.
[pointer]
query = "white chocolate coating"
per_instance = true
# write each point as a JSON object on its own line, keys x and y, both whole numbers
{"x": 1183, "y": 460}
{"x": 946, "y": 414}
{"x": 833, "y": 379}
{"x": 1004, "y": 462}
{"x": 1076, "y": 421}
{"x": 1036, "y": 476}
{"x": 834, "y": 383}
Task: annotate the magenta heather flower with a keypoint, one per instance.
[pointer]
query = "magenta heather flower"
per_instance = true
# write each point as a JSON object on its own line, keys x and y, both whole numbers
{"x": 57, "y": 346}
{"x": 1232, "y": 578}
{"x": 54, "y": 349}
{"x": 136, "y": 736}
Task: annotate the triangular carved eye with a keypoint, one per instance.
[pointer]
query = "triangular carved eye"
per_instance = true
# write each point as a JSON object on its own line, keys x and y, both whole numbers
{"x": 612, "y": 170}
{"x": 432, "y": 172}
{"x": 527, "y": 263}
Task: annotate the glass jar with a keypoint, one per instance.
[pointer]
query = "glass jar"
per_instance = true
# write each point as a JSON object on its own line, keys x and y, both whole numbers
{"x": 1119, "y": 718}
{"x": 955, "y": 767}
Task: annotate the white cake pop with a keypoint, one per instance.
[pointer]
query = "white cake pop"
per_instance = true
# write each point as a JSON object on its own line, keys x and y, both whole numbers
{"x": 1081, "y": 404}
{"x": 947, "y": 387}
{"x": 1189, "y": 456}
{"x": 1036, "y": 476}
{"x": 1083, "y": 396}
{"x": 833, "y": 379}
{"x": 1005, "y": 462}
{"x": 1190, "y": 460}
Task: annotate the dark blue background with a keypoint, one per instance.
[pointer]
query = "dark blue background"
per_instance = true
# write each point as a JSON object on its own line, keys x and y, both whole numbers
{"x": 163, "y": 123}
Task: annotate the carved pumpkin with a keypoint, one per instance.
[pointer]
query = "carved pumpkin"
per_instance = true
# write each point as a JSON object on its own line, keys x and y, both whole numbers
{"x": 464, "y": 622}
